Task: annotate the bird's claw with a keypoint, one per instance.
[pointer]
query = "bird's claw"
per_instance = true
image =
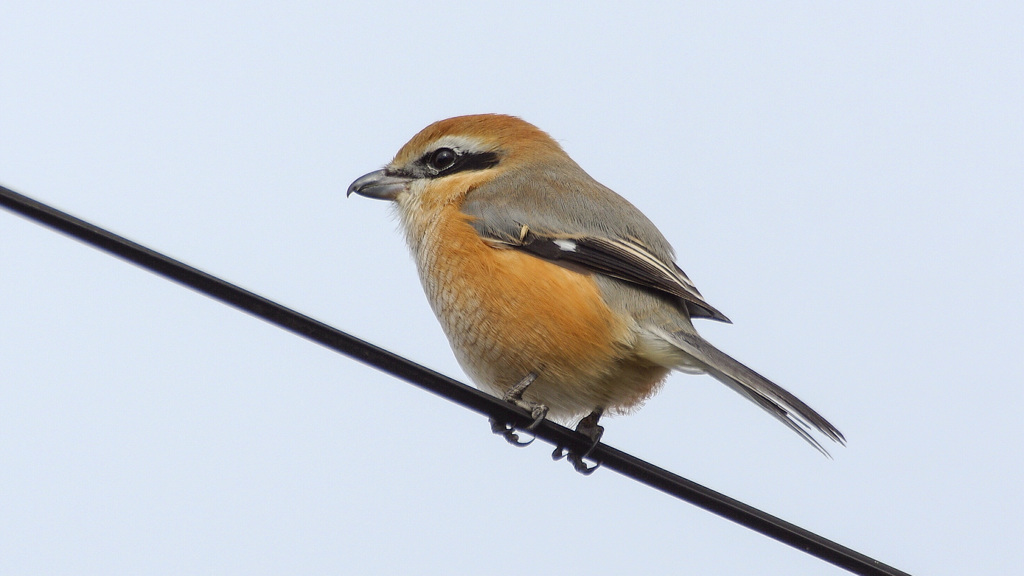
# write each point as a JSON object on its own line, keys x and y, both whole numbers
{"x": 509, "y": 433}
{"x": 589, "y": 427}
{"x": 538, "y": 412}
{"x": 575, "y": 459}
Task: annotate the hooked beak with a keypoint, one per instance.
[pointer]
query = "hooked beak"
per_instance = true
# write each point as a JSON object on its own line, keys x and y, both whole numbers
{"x": 379, "y": 185}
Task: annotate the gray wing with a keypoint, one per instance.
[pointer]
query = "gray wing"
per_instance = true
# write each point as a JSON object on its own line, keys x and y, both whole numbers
{"x": 583, "y": 224}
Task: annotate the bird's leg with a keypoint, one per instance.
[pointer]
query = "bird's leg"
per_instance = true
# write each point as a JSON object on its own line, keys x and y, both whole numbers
{"x": 587, "y": 426}
{"x": 514, "y": 395}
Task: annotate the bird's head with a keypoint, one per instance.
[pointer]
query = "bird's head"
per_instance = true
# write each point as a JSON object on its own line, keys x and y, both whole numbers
{"x": 449, "y": 158}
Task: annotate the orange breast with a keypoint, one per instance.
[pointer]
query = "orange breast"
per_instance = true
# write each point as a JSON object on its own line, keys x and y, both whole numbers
{"x": 507, "y": 314}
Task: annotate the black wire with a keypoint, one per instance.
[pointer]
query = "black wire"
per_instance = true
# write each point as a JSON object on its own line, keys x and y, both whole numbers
{"x": 453, "y": 390}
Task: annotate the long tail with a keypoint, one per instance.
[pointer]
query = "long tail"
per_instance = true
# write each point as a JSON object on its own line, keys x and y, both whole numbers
{"x": 784, "y": 406}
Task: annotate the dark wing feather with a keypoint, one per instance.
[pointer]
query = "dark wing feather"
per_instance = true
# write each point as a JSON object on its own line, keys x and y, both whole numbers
{"x": 621, "y": 259}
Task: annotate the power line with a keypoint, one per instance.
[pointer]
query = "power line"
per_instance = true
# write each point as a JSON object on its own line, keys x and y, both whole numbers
{"x": 442, "y": 385}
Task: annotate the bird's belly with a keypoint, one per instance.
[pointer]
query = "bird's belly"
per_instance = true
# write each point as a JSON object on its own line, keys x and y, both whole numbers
{"x": 508, "y": 314}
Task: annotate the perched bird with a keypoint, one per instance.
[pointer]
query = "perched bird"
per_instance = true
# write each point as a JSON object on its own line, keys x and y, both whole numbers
{"x": 555, "y": 292}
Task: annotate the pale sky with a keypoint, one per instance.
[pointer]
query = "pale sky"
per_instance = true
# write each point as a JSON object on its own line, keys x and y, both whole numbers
{"x": 844, "y": 181}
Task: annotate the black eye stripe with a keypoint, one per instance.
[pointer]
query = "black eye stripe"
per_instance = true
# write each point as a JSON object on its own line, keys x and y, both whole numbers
{"x": 463, "y": 161}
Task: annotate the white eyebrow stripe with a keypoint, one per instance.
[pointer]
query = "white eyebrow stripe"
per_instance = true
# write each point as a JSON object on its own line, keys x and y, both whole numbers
{"x": 460, "y": 143}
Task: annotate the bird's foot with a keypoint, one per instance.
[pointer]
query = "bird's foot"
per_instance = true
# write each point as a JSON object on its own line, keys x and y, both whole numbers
{"x": 509, "y": 433}
{"x": 514, "y": 395}
{"x": 588, "y": 426}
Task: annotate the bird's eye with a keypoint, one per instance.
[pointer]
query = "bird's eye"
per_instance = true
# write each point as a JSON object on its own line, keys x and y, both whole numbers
{"x": 442, "y": 159}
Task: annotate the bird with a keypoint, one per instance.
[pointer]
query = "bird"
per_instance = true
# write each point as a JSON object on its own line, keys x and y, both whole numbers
{"x": 554, "y": 291}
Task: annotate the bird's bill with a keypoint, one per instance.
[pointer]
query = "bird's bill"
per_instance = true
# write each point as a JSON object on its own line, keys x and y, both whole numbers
{"x": 378, "y": 185}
